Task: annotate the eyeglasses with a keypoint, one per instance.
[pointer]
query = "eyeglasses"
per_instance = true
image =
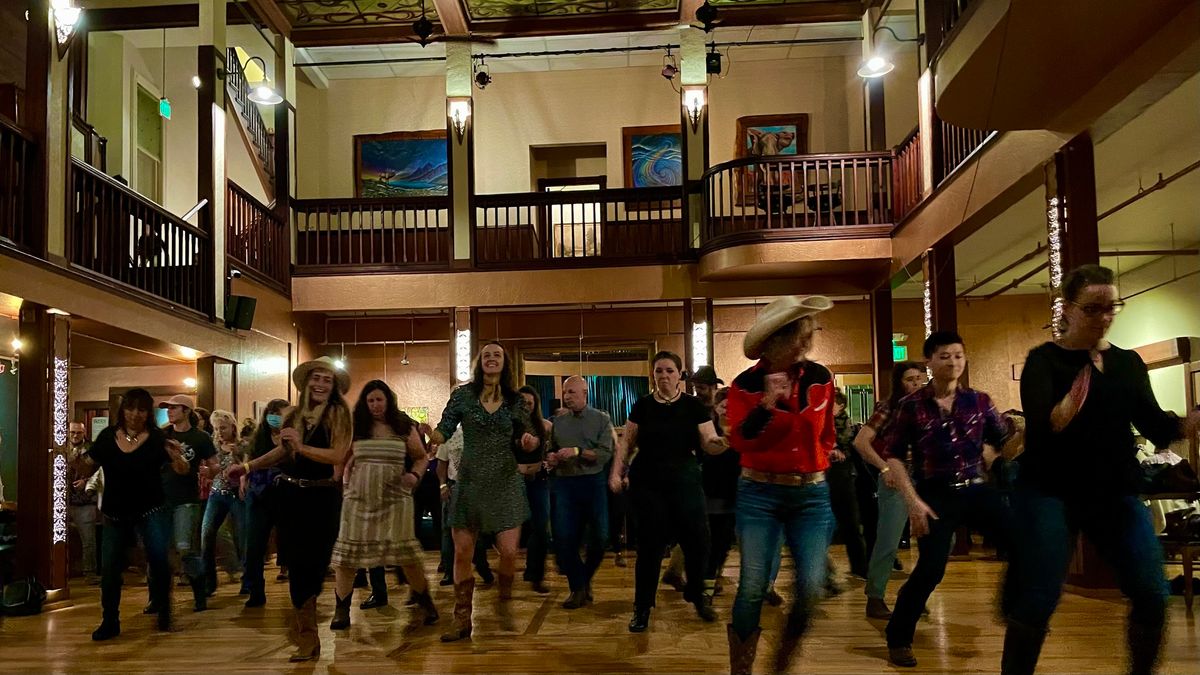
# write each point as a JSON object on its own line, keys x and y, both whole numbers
{"x": 1097, "y": 310}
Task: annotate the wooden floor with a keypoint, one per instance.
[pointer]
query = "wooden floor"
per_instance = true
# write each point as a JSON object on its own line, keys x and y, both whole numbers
{"x": 961, "y": 634}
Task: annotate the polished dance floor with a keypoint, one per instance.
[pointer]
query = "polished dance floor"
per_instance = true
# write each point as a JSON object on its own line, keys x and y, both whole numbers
{"x": 960, "y": 635}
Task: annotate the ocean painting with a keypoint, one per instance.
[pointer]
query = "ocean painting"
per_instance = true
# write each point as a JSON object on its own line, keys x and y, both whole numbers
{"x": 653, "y": 156}
{"x": 402, "y": 164}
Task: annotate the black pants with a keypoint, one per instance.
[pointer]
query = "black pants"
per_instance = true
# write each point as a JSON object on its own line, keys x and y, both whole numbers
{"x": 722, "y": 531}
{"x": 620, "y": 526}
{"x": 260, "y": 520}
{"x": 669, "y": 508}
{"x": 154, "y": 530}
{"x": 843, "y": 498}
{"x": 979, "y": 506}
{"x": 308, "y": 519}
{"x": 866, "y": 483}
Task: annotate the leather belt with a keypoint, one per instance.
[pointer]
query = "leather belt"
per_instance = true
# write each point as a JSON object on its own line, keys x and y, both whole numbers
{"x": 307, "y": 482}
{"x": 798, "y": 479}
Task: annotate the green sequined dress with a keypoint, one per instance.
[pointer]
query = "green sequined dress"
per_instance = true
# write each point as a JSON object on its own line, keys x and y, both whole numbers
{"x": 489, "y": 496}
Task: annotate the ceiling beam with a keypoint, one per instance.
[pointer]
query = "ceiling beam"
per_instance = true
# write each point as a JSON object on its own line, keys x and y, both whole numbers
{"x": 156, "y": 16}
{"x": 452, "y": 16}
{"x": 270, "y": 13}
{"x": 315, "y": 76}
{"x": 687, "y": 10}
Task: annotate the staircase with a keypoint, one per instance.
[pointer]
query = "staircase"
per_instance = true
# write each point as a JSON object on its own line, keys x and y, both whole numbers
{"x": 259, "y": 139}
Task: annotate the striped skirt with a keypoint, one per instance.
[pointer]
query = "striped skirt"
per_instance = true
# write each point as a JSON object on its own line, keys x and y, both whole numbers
{"x": 377, "y": 526}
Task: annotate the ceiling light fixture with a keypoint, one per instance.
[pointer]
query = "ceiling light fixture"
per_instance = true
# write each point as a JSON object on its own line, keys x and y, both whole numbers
{"x": 483, "y": 74}
{"x": 423, "y": 27}
{"x": 878, "y": 64}
{"x": 262, "y": 92}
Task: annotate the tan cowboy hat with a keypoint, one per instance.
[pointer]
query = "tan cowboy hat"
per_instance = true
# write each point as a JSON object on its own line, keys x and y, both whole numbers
{"x": 778, "y": 314}
{"x": 300, "y": 374}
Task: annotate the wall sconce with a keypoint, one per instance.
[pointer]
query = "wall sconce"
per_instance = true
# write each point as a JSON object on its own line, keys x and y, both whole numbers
{"x": 700, "y": 344}
{"x": 262, "y": 92}
{"x": 189, "y": 382}
{"x": 66, "y": 18}
{"x": 462, "y": 356}
{"x": 458, "y": 109}
{"x": 693, "y": 103}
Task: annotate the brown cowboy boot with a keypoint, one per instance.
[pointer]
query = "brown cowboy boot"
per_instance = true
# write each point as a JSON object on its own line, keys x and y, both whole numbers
{"x": 423, "y": 612}
{"x": 461, "y": 628}
{"x": 789, "y": 639}
{"x": 504, "y": 606}
{"x": 741, "y": 652}
{"x": 308, "y": 643}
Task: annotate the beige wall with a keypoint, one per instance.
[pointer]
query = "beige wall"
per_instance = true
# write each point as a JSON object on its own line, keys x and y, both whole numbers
{"x": 93, "y": 384}
{"x": 520, "y": 110}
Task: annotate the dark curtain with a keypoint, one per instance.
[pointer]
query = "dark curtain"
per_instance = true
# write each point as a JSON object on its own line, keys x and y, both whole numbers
{"x": 544, "y": 384}
{"x": 615, "y": 395}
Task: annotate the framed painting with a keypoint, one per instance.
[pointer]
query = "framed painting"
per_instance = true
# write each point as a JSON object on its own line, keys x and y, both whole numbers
{"x": 401, "y": 164}
{"x": 653, "y": 155}
{"x": 766, "y": 136}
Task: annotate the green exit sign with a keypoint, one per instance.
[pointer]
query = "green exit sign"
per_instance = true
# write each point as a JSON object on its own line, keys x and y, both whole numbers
{"x": 164, "y": 108}
{"x": 899, "y": 352}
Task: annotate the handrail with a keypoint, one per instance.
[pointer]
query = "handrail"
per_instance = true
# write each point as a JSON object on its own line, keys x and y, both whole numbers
{"x": 241, "y": 191}
{"x": 787, "y": 159}
{"x": 907, "y": 172}
{"x": 339, "y": 235}
{"x": 145, "y": 202}
{"x": 359, "y": 202}
{"x": 256, "y": 237}
{"x": 14, "y": 129}
{"x": 580, "y": 196}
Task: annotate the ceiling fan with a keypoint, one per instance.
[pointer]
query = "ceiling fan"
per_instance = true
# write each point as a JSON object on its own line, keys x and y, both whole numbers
{"x": 423, "y": 28}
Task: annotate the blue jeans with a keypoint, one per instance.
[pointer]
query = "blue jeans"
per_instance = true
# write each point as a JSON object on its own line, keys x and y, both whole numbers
{"x": 980, "y": 506}
{"x": 766, "y": 514}
{"x": 218, "y": 508}
{"x": 537, "y": 490}
{"x": 893, "y": 514}
{"x": 1118, "y": 526}
{"x": 155, "y": 533}
{"x": 580, "y": 508}
{"x": 185, "y": 519}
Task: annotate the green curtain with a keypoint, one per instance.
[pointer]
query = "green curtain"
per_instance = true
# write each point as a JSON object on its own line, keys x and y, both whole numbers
{"x": 615, "y": 395}
{"x": 544, "y": 384}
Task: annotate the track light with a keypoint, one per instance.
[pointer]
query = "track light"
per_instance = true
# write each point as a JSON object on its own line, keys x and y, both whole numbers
{"x": 483, "y": 74}
{"x": 669, "y": 69}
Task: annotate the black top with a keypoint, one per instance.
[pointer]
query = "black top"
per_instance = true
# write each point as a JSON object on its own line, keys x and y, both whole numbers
{"x": 1095, "y": 455}
{"x": 668, "y": 434}
{"x": 300, "y": 466}
{"x": 132, "y": 483}
{"x": 197, "y": 447}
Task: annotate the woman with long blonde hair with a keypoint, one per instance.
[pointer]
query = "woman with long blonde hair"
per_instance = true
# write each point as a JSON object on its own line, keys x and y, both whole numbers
{"x": 224, "y": 499}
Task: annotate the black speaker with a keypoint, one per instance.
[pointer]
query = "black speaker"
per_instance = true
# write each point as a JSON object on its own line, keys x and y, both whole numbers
{"x": 239, "y": 311}
{"x": 712, "y": 63}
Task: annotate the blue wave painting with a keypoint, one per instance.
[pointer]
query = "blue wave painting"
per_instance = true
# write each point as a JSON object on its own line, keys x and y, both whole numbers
{"x": 405, "y": 167}
{"x": 656, "y": 159}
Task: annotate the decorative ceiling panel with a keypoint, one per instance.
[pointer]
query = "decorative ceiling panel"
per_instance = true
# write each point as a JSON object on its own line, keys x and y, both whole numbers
{"x": 484, "y": 10}
{"x": 321, "y": 13}
{"x": 759, "y": 3}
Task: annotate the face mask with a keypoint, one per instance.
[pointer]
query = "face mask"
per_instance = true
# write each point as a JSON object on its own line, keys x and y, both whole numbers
{"x": 275, "y": 421}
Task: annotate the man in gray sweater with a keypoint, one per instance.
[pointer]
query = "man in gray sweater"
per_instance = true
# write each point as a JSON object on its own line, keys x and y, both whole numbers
{"x": 581, "y": 446}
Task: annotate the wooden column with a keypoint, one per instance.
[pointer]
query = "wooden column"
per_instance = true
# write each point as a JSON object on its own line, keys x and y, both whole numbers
{"x": 933, "y": 16}
{"x": 41, "y": 473}
{"x": 881, "y": 341}
{"x": 206, "y": 382}
{"x": 939, "y": 271}
{"x": 210, "y": 149}
{"x": 459, "y": 79}
{"x": 285, "y": 115}
{"x": 40, "y": 48}
{"x": 1071, "y": 178}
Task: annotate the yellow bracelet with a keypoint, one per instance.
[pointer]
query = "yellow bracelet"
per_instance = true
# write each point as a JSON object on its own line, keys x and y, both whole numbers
{"x": 885, "y": 469}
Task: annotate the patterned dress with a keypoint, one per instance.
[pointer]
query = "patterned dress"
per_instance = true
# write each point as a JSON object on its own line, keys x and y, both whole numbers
{"x": 377, "y": 510}
{"x": 490, "y": 495}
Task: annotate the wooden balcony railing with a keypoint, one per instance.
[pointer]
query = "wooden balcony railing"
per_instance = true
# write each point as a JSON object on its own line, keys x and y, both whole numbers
{"x": 794, "y": 192}
{"x": 116, "y": 233}
{"x": 18, "y": 152}
{"x": 908, "y": 188}
{"x": 256, "y": 239}
{"x": 339, "y": 236}
{"x": 589, "y": 226}
{"x": 955, "y": 145}
{"x": 88, "y": 145}
{"x": 261, "y": 138}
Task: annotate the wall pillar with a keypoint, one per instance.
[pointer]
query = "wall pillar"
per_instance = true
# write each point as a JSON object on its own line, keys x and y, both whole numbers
{"x": 459, "y": 78}
{"x": 464, "y": 335}
{"x": 693, "y": 76}
{"x": 285, "y": 114}
{"x": 39, "y": 51}
{"x": 881, "y": 341}
{"x": 42, "y": 467}
{"x": 210, "y": 144}
{"x": 1071, "y": 222}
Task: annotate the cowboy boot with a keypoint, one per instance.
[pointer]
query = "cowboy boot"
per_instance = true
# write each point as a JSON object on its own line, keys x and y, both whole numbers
{"x": 461, "y": 628}
{"x": 1022, "y": 645}
{"x": 341, "y": 611}
{"x": 423, "y": 612}
{"x": 741, "y": 652}
{"x": 308, "y": 643}
{"x": 789, "y": 639}
{"x": 504, "y": 605}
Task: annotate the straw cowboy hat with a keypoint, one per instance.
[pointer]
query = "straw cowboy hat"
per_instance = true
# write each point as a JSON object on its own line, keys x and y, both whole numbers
{"x": 300, "y": 374}
{"x": 778, "y": 314}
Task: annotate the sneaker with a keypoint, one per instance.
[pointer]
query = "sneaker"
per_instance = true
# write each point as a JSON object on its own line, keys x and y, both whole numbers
{"x": 878, "y": 609}
{"x": 902, "y": 656}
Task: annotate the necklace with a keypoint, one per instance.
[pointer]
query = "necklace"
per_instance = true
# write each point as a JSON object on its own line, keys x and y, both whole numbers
{"x": 668, "y": 401}
{"x": 131, "y": 439}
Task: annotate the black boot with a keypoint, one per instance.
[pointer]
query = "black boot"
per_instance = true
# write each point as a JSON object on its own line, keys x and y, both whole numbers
{"x": 1144, "y": 644}
{"x": 109, "y": 629}
{"x": 375, "y": 600}
{"x": 360, "y": 579}
{"x": 640, "y": 621}
{"x": 341, "y": 611}
{"x": 200, "y": 593}
{"x": 1022, "y": 645}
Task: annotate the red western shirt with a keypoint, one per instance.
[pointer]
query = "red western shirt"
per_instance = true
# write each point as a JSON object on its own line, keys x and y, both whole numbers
{"x": 797, "y": 435}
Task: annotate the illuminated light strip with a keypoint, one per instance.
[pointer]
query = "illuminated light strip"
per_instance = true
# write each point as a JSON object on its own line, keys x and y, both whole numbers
{"x": 1054, "y": 236}
{"x": 462, "y": 355}
{"x": 59, "y": 492}
{"x": 61, "y": 389}
{"x": 700, "y": 344}
{"x": 928, "y": 304}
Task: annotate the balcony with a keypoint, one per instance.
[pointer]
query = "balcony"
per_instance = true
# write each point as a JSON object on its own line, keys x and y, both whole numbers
{"x": 256, "y": 240}
{"x": 18, "y": 152}
{"x": 372, "y": 235}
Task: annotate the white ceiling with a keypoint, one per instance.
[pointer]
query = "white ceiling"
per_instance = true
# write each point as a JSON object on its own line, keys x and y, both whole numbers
{"x": 1162, "y": 140}
{"x": 585, "y": 61}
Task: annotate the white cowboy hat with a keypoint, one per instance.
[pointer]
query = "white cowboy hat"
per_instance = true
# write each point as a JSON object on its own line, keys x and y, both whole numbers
{"x": 300, "y": 374}
{"x": 778, "y": 314}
